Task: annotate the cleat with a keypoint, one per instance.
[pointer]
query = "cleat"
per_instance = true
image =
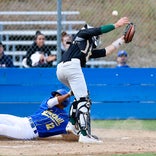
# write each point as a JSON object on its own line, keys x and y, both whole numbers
{"x": 72, "y": 129}
{"x": 89, "y": 139}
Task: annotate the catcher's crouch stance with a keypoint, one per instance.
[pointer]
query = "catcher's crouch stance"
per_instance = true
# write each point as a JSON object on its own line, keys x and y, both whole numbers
{"x": 70, "y": 73}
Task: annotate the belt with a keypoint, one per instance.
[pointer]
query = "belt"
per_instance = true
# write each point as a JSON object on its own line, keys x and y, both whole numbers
{"x": 66, "y": 61}
{"x": 32, "y": 125}
{"x": 72, "y": 59}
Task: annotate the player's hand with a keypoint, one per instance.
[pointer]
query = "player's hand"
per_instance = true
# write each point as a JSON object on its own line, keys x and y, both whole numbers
{"x": 70, "y": 93}
{"x": 121, "y": 22}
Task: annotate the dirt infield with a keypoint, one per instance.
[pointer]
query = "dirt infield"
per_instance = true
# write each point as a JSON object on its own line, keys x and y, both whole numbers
{"x": 114, "y": 141}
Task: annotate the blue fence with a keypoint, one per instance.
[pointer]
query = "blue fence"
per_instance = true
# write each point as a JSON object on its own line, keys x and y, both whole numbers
{"x": 115, "y": 93}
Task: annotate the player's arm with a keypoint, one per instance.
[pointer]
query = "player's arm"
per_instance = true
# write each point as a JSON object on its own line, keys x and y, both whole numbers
{"x": 87, "y": 33}
{"x": 96, "y": 53}
{"x": 121, "y": 22}
{"x": 114, "y": 46}
{"x": 109, "y": 49}
{"x": 57, "y": 100}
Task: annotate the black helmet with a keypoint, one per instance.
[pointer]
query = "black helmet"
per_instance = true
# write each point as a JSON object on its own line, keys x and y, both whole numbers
{"x": 95, "y": 39}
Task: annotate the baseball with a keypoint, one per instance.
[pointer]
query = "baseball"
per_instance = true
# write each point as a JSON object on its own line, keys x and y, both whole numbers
{"x": 115, "y": 13}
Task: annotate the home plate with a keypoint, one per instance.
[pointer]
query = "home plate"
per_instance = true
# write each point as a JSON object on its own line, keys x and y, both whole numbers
{"x": 125, "y": 138}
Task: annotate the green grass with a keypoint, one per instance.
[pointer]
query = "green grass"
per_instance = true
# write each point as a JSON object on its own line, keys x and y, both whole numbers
{"x": 125, "y": 124}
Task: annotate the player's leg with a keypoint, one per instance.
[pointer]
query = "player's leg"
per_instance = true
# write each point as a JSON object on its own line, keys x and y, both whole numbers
{"x": 78, "y": 85}
{"x": 60, "y": 72}
{"x": 74, "y": 116}
{"x": 15, "y": 127}
{"x": 83, "y": 116}
{"x": 71, "y": 75}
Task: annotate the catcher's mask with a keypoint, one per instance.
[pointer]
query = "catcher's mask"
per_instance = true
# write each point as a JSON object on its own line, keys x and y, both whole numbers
{"x": 61, "y": 92}
{"x": 95, "y": 39}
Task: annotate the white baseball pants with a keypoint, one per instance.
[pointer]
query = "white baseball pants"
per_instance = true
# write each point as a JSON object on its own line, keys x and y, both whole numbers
{"x": 70, "y": 74}
{"x": 16, "y": 127}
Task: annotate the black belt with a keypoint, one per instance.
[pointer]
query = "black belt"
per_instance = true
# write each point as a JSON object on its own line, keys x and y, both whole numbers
{"x": 32, "y": 125}
{"x": 66, "y": 61}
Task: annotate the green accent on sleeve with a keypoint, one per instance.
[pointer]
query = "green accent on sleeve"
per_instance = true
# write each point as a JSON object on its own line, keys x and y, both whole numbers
{"x": 107, "y": 28}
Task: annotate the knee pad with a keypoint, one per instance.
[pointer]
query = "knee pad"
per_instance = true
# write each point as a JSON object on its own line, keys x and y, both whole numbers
{"x": 83, "y": 114}
{"x": 73, "y": 109}
{"x": 79, "y": 105}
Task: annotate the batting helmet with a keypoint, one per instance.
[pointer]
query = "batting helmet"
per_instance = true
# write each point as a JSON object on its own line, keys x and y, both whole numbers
{"x": 61, "y": 92}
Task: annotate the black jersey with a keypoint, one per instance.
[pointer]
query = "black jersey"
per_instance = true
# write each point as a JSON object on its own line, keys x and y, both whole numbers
{"x": 83, "y": 47}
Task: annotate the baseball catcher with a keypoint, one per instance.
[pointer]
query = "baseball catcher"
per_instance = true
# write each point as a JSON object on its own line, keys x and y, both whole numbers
{"x": 69, "y": 72}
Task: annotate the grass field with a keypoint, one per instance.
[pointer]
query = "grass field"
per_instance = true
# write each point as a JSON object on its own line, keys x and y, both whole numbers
{"x": 125, "y": 124}
{"x": 147, "y": 125}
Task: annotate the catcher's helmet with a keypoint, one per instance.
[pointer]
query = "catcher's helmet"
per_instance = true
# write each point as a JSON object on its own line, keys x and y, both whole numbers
{"x": 95, "y": 39}
{"x": 61, "y": 92}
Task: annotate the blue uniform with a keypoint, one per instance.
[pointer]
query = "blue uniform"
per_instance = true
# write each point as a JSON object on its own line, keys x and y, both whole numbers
{"x": 123, "y": 66}
{"x": 50, "y": 121}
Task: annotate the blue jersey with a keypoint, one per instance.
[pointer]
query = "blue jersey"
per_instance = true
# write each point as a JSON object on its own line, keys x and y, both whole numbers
{"x": 123, "y": 66}
{"x": 50, "y": 121}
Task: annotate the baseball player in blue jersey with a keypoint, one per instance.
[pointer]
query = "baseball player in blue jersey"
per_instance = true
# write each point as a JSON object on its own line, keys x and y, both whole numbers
{"x": 50, "y": 119}
{"x": 69, "y": 72}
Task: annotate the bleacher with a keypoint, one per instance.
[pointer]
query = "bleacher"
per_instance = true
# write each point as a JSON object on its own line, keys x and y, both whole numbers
{"x": 17, "y": 30}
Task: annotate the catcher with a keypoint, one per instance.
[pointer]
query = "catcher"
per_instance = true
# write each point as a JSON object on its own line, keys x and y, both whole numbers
{"x": 50, "y": 119}
{"x": 69, "y": 72}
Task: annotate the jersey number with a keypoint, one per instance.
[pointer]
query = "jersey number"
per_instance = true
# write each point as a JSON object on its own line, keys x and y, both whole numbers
{"x": 50, "y": 126}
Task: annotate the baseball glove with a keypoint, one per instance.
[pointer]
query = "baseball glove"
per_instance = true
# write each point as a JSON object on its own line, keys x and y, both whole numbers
{"x": 129, "y": 32}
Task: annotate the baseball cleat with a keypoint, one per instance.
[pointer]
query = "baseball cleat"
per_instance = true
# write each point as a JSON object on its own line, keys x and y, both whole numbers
{"x": 89, "y": 139}
{"x": 71, "y": 129}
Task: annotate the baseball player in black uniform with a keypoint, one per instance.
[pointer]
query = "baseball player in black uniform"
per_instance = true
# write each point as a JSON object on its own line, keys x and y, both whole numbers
{"x": 69, "y": 72}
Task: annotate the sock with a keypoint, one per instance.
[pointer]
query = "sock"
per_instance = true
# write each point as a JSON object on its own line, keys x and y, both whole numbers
{"x": 83, "y": 132}
{"x": 72, "y": 121}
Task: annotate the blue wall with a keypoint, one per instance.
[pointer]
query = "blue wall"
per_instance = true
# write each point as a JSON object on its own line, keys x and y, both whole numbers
{"x": 115, "y": 93}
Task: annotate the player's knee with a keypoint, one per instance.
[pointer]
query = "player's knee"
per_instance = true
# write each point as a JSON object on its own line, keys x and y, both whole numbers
{"x": 83, "y": 105}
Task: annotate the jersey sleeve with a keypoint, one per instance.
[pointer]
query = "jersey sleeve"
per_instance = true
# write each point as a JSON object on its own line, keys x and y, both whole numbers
{"x": 98, "y": 53}
{"x": 88, "y": 33}
{"x": 107, "y": 28}
{"x": 52, "y": 102}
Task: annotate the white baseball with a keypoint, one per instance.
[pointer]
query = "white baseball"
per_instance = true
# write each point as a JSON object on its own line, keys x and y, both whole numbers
{"x": 115, "y": 13}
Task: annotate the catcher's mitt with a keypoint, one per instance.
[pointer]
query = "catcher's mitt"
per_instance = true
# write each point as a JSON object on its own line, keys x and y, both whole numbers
{"x": 129, "y": 32}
